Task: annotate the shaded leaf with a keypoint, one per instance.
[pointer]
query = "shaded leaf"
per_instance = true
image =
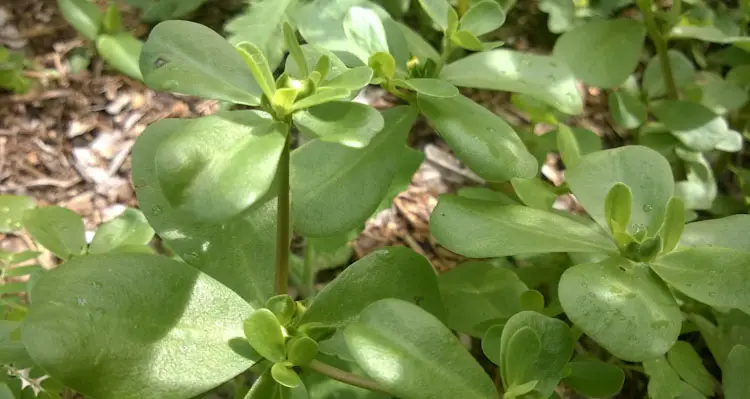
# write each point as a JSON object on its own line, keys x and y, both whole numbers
{"x": 696, "y": 126}
{"x": 60, "y": 230}
{"x": 437, "y": 10}
{"x": 627, "y": 110}
{"x": 394, "y": 335}
{"x": 475, "y": 293}
{"x": 735, "y": 374}
{"x": 483, "y": 17}
{"x": 261, "y": 24}
{"x": 348, "y": 123}
{"x": 683, "y": 72}
{"x": 113, "y": 325}
{"x": 689, "y": 365}
{"x": 602, "y": 53}
{"x": 622, "y": 307}
{"x": 595, "y": 378}
{"x": 663, "y": 381}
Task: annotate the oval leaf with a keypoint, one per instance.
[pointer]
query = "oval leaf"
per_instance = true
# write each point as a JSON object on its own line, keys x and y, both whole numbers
{"x": 351, "y": 124}
{"x": 623, "y": 308}
{"x": 264, "y": 333}
{"x": 437, "y": 10}
{"x": 326, "y": 178}
{"x": 114, "y": 325}
{"x": 541, "y": 77}
{"x": 728, "y": 232}
{"x": 643, "y": 170}
{"x": 602, "y": 53}
{"x": 555, "y": 350}
{"x": 715, "y": 276}
{"x": 364, "y": 29}
{"x": 594, "y": 378}
{"x": 215, "y": 167}
{"x": 483, "y": 17}
{"x": 483, "y": 229}
{"x": 696, "y": 126}
{"x": 392, "y": 272}
{"x": 683, "y": 72}
{"x": 352, "y": 79}
{"x": 129, "y": 228}
{"x": 481, "y": 139}
{"x": 689, "y": 365}
{"x": 475, "y": 293}
{"x": 83, "y": 15}
{"x": 626, "y": 109}
{"x": 736, "y": 370}
{"x": 190, "y": 58}
{"x": 60, "y": 230}
{"x": 122, "y": 52}
{"x": 12, "y": 208}
{"x": 237, "y": 253}
{"x": 413, "y": 355}
{"x": 430, "y": 87}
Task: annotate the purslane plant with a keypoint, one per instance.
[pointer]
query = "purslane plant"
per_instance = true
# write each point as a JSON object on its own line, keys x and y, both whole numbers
{"x": 224, "y": 192}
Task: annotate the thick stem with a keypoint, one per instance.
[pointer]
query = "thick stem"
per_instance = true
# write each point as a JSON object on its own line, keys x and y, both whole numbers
{"x": 660, "y": 42}
{"x": 283, "y": 233}
{"x": 446, "y": 53}
{"x": 346, "y": 377}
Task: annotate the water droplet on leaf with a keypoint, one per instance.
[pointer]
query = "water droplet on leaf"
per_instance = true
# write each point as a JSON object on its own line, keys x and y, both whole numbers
{"x": 156, "y": 210}
{"x": 81, "y": 301}
{"x": 647, "y": 208}
{"x": 169, "y": 85}
{"x": 160, "y": 62}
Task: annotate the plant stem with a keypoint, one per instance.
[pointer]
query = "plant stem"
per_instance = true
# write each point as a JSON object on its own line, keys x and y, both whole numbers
{"x": 283, "y": 235}
{"x": 346, "y": 377}
{"x": 446, "y": 53}
{"x": 660, "y": 42}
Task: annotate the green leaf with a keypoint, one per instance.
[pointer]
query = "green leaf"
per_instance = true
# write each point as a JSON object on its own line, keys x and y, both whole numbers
{"x": 60, "y": 230}
{"x": 696, "y": 126}
{"x": 483, "y": 17}
{"x": 517, "y": 391}
{"x": 122, "y": 52}
{"x": 689, "y": 365}
{"x": 283, "y": 307}
{"x": 437, "y": 11}
{"x": 715, "y": 276}
{"x": 663, "y": 382}
{"x": 330, "y": 252}
{"x": 83, "y": 15}
{"x": 118, "y": 325}
{"x": 429, "y": 87}
{"x": 285, "y": 376}
{"x": 711, "y": 34}
{"x": 476, "y": 292}
{"x": 643, "y": 170}
{"x": 735, "y": 373}
{"x": 627, "y": 110}
{"x": 190, "y": 58}
{"x": 383, "y": 64}
{"x": 129, "y": 228}
{"x": 731, "y": 232}
{"x": 534, "y": 193}
{"x": 622, "y": 307}
{"x": 12, "y": 350}
{"x": 482, "y": 229}
{"x": 542, "y": 77}
{"x": 519, "y": 357}
{"x": 413, "y": 355}
{"x": 486, "y": 194}
{"x": 239, "y": 252}
{"x": 322, "y": 95}
{"x": 313, "y": 54}
{"x": 555, "y": 350}
{"x": 351, "y": 124}
{"x": 392, "y": 272}
{"x": 532, "y": 300}
{"x": 602, "y": 53}
{"x": 12, "y": 208}
{"x": 263, "y": 331}
{"x": 481, "y": 139}
{"x": 674, "y": 224}
{"x": 594, "y": 378}
{"x": 327, "y": 176}
{"x": 265, "y": 387}
{"x": 112, "y": 20}
{"x": 492, "y": 342}
{"x": 562, "y": 14}
{"x": 617, "y": 208}
{"x": 301, "y": 350}
{"x": 261, "y": 24}
{"x": 683, "y": 72}
{"x": 567, "y": 144}
{"x": 352, "y": 79}
{"x": 216, "y": 167}
{"x": 699, "y": 190}
{"x": 364, "y": 29}
{"x": 468, "y": 41}
{"x": 258, "y": 65}
{"x": 723, "y": 96}
{"x": 161, "y": 10}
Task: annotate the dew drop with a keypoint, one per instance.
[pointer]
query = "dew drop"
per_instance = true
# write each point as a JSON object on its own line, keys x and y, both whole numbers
{"x": 81, "y": 301}
{"x": 160, "y": 62}
{"x": 96, "y": 284}
{"x": 647, "y": 208}
{"x": 169, "y": 84}
{"x": 712, "y": 294}
{"x": 156, "y": 210}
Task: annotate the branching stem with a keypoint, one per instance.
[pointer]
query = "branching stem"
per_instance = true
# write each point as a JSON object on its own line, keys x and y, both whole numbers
{"x": 346, "y": 377}
{"x": 660, "y": 42}
{"x": 283, "y": 233}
